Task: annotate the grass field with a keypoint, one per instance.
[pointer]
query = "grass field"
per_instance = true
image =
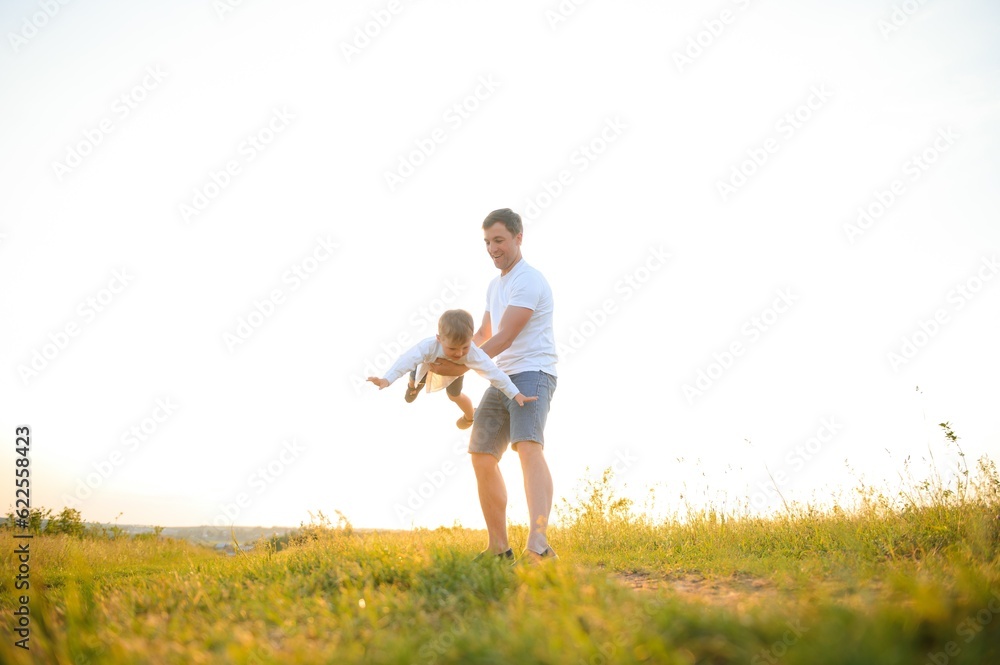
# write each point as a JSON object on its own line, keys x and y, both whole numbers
{"x": 911, "y": 578}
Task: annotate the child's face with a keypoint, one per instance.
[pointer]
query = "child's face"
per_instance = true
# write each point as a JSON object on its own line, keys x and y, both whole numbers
{"x": 454, "y": 349}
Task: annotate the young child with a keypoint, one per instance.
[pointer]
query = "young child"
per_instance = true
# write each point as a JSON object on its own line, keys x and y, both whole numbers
{"x": 453, "y": 341}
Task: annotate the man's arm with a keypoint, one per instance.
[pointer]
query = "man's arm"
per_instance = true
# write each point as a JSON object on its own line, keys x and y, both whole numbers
{"x": 513, "y": 322}
{"x": 445, "y": 367}
{"x": 485, "y": 331}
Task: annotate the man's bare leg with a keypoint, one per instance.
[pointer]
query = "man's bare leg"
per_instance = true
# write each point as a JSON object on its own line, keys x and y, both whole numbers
{"x": 492, "y": 499}
{"x": 538, "y": 491}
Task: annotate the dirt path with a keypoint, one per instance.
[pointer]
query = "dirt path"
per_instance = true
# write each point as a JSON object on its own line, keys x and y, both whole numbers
{"x": 736, "y": 589}
{"x": 743, "y": 590}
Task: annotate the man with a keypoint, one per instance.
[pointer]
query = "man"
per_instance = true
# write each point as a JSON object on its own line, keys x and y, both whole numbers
{"x": 517, "y": 333}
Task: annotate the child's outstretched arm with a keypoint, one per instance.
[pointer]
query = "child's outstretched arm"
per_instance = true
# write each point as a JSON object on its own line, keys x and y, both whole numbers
{"x": 406, "y": 362}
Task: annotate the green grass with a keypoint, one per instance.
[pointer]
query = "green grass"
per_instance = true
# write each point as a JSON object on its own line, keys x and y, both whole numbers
{"x": 900, "y": 579}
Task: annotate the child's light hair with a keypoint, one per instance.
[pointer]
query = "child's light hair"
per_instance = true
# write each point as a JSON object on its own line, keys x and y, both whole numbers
{"x": 455, "y": 325}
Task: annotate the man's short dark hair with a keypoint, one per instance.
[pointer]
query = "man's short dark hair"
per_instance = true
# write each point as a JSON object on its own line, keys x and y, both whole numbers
{"x": 510, "y": 219}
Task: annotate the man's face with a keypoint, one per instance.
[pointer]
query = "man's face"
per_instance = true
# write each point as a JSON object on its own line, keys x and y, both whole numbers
{"x": 503, "y": 248}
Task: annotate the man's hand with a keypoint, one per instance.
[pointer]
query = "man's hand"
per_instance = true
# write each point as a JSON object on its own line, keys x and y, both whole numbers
{"x": 521, "y": 399}
{"x": 445, "y": 367}
{"x": 381, "y": 383}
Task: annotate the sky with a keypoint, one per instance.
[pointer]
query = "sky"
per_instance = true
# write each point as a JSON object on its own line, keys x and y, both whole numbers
{"x": 770, "y": 228}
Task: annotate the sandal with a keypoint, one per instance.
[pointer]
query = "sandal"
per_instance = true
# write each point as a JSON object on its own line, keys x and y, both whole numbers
{"x": 486, "y": 555}
{"x": 531, "y": 556}
{"x": 412, "y": 392}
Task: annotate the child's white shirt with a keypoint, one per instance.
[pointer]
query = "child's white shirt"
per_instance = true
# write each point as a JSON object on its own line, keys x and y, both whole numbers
{"x": 428, "y": 350}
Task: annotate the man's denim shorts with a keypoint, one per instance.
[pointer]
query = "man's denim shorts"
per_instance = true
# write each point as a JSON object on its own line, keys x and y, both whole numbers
{"x": 499, "y": 420}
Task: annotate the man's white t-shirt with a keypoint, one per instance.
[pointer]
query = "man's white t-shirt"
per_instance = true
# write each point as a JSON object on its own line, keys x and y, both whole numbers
{"x": 534, "y": 348}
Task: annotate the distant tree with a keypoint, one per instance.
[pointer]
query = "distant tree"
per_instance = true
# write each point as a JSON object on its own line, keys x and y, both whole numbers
{"x": 36, "y": 517}
{"x": 69, "y": 521}
{"x": 155, "y": 535}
